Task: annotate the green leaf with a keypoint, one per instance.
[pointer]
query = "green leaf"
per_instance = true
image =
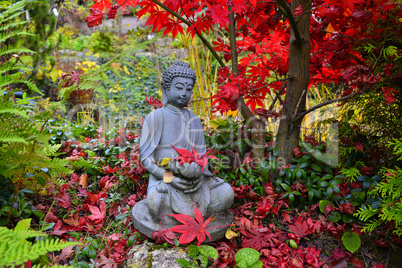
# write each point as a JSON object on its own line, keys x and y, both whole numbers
{"x": 208, "y": 251}
{"x": 316, "y": 167}
{"x": 38, "y": 214}
{"x": 293, "y": 243}
{"x": 335, "y": 216}
{"x": 204, "y": 260}
{"x": 130, "y": 241}
{"x": 23, "y": 225}
{"x": 247, "y": 257}
{"x": 323, "y": 204}
{"x": 41, "y": 181}
{"x": 351, "y": 241}
{"x": 193, "y": 251}
{"x": 305, "y": 164}
{"x": 184, "y": 263}
{"x": 91, "y": 252}
{"x": 285, "y": 187}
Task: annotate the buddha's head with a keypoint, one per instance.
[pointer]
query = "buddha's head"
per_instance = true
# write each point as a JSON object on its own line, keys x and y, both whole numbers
{"x": 177, "y": 84}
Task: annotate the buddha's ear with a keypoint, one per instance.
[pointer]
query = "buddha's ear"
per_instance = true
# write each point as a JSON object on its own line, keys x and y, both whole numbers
{"x": 164, "y": 98}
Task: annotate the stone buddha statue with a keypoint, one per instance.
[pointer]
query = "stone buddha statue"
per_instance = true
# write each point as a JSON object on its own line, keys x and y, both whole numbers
{"x": 173, "y": 125}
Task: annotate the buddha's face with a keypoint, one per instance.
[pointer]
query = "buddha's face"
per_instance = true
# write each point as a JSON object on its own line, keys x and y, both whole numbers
{"x": 180, "y": 90}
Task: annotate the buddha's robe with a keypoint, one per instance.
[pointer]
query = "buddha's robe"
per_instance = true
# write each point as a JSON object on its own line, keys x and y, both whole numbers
{"x": 181, "y": 128}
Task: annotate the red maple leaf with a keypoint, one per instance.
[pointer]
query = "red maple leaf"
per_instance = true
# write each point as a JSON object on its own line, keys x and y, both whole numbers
{"x": 191, "y": 228}
{"x": 111, "y": 14}
{"x": 101, "y": 5}
{"x": 64, "y": 199}
{"x": 154, "y": 102}
{"x": 124, "y": 3}
{"x": 220, "y": 45}
{"x": 257, "y": 238}
{"x": 57, "y": 229}
{"x": 94, "y": 198}
{"x": 203, "y": 24}
{"x": 219, "y": 15}
{"x": 300, "y": 228}
{"x": 147, "y": 7}
{"x": 94, "y": 18}
{"x": 188, "y": 157}
{"x": 173, "y": 26}
{"x": 164, "y": 235}
{"x": 98, "y": 214}
{"x": 359, "y": 146}
{"x": 389, "y": 94}
{"x": 72, "y": 220}
{"x": 158, "y": 20}
{"x": 73, "y": 78}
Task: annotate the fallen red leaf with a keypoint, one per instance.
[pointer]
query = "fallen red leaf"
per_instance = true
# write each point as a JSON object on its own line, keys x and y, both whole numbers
{"x": 300, "y": 228}
{"x": 98, "y": 214}
{"x": 73, "y": 220}
{"x": 191, "y": 228}
{"x": 164, "y": 235}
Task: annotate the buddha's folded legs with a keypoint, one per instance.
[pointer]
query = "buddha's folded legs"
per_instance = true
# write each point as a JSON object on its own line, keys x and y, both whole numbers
{"x": 222, "y": 197}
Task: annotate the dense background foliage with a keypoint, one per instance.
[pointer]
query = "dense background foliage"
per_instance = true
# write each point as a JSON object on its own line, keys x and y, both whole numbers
{"x": 72, "y": 103}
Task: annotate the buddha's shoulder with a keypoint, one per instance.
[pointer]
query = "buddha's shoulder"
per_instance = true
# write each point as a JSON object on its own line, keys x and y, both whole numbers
{"x": 154, "y": 115}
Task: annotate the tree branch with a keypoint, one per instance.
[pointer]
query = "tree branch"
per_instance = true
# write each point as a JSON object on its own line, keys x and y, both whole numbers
{"x": 233, "y": 47}
{"x": 204, "y": 41}
{"x": 324, "y": 104}
{"x": 285, "y": 9}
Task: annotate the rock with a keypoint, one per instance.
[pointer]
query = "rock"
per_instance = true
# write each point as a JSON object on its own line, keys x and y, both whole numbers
{"x": 144, "y": 256}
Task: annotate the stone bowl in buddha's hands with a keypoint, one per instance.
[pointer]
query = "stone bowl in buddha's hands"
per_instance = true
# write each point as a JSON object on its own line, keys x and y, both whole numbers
{"x": 188, "y": 171}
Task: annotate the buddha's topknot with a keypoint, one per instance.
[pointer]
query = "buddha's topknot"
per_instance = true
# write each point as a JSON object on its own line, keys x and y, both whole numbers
{"x": 178, "y": 68}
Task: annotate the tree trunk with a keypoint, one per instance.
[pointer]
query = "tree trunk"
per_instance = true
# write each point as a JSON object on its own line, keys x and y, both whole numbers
{"x": 258, "y": 131}
{"x": 295, "y": 100}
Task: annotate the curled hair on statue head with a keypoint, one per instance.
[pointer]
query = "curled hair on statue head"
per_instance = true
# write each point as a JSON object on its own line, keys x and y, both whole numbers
{"x": 177, "y": 69}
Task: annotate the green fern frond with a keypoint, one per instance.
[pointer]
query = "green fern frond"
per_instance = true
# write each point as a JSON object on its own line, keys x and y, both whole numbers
{"x": 16, "y": 78}
{"x": 10, "y": 66}
{"x": 84, "y": 164}
{"x": 12, "y": 139}
{"x": 15, "y": 49}
{"x": 14, "y": 111}
{"x": 11, "y": 25}
{"x": 59, "y": 166}
{"x": 4, "y": 37}
{"x": 51, "y": 150}
{"x": 15, "y": 250}
{"x": 12, "y": 9}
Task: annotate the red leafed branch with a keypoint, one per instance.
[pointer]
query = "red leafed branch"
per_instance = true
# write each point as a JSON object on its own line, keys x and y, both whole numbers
{"x": 188, "y": 157}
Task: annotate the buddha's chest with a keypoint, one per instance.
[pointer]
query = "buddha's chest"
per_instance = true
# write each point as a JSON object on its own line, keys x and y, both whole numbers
{"x": 176, "y": 131}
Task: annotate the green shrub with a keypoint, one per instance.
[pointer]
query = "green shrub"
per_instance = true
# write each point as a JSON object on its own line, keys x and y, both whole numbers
{"x": 390, "y": 191}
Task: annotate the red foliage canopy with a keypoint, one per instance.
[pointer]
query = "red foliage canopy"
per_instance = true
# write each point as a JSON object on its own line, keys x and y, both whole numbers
{"x": 350, "y": 42}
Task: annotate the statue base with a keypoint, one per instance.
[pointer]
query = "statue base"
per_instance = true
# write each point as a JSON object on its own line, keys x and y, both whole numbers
{"x": 145, "y": 224}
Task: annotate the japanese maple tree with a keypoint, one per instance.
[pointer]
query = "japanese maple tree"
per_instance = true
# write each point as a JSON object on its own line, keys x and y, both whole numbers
{"x": 278, "y": 49}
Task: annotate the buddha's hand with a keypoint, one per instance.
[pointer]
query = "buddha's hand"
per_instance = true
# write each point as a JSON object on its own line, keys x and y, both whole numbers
{"x": 186, "y": 185}
{"x": 191, "y": 171}
{"x": 162, "y": 188}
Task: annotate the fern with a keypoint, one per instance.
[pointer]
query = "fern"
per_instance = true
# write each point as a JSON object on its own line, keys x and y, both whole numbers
{"x": 390, "y": 191}
{"x": 11, "y": 27}
{"x": 85, "y": 165}
{"x": 16, "y": 250}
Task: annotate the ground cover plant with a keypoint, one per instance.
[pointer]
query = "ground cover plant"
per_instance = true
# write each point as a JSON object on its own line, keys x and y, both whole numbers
{"x": 69, "y": 180}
